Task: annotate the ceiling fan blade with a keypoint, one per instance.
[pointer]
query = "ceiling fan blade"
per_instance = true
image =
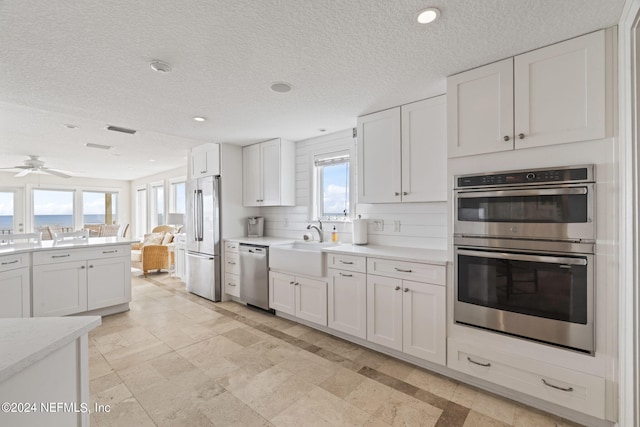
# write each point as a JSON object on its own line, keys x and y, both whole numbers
{"x": 23, "y": 173}
{"x": 17, "y": 167}
{"x": 56, "y": 173}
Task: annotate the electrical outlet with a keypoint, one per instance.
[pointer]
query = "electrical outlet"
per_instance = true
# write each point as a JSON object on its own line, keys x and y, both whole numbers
{"x": 396, "y": 226}
{"x": 378, "y": 225}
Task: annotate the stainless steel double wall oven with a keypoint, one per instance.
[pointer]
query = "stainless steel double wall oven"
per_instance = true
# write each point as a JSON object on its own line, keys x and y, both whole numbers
{"x": 524, "y": 254}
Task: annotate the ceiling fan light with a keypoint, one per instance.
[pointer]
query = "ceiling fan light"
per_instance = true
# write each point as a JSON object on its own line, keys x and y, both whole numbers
{"x": 428, "y": 15}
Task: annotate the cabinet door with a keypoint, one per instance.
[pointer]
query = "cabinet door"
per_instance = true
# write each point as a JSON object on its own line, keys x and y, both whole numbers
{"x": 270, "y": 154}
{"x": 560, "y": 92}
{"x": 480, "y": 110}
{"x": 311, "y": 300}
{"x": 180, "y": 261}
{"x": 251, "y": 176}
{"x": 205, "y": 160}
{"x": 15, "y": 293}
{"x": 282, "y": 293}
{"x": 109, "y": 282}
{"x": 59, "y": 289}
{"x": 379, "y": 157}
{"x": 424, "y": 321}
{"x": 347, "y": 305}
{"x": 424, "y": 150}
{"x": 384, "y": 311}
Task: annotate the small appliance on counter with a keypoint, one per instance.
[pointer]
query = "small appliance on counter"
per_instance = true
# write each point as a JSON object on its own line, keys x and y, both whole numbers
{"x": 255, "y": 226}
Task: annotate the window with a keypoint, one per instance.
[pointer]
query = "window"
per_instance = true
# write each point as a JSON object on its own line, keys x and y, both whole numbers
{"x": 141, "y": 211}
{"x": 178, "y": 197}
{"x": 52, "y": 209}
{"x": 157, "y": 205}
{"x": 99, "y": 207}
{"x": 332, "y": 186}
{"x": 6, "y": 212}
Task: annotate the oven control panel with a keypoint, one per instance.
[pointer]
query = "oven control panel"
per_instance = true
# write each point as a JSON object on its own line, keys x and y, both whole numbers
{"x": 536, "y": 176}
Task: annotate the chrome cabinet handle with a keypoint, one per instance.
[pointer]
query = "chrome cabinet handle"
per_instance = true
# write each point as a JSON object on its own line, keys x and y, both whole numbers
{"x": 231, "y": 262}
{"x": 203, "y": 171}
{"x": 507, "y": 138}
{"x": 82, "y": 267}
{"x": 397, "y": 193}
{"x": 91, "y": 266}
{"x": 402, "y": 270}
{"x": 486, "y": 365}
{"x": 397, "y": 288}
{"x": 10, "y": 262}
{"x": 60, "y": 256}
{"x": 521, "y": 135}
{"x": 230, "y": 284}
{"x": 406, "y": 289}
{"x": 296, "y": 284}
{"x": 346, "y": 262}
{"x": 110, "y": 252}
{"x": 405, "y": 193}
{"x": 567, "y": 389}
{"x": 291, "y": 283}
{"x": 346, "y": 275}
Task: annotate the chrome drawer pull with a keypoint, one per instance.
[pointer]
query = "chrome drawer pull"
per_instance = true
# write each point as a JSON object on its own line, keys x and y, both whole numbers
{"x": 556, "y": 387}
{"x": 60, "y": 256}
{"x": 15, "y": 261}
{"x": 110, "y": 252}
{"x": 346, "y": 275}
{"x": 346, "y": 262}
{"x": 231, "y": 284}
{"x": 486, "y": 365}
{"x": 231, "y": 262}
{"x": 401, "y": 270}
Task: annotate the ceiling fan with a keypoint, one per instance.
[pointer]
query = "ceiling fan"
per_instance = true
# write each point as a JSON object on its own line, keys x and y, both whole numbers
{"x": 34, "y": 164}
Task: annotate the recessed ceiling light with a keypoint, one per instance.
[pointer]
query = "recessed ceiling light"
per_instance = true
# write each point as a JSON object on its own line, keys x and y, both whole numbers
{"x": 428, "y": 15}
{"x": 199, "y": 119}
{"x": 281, "y": 87}
{"x": 160, "y": 66}
{"x": 152, "y": 160}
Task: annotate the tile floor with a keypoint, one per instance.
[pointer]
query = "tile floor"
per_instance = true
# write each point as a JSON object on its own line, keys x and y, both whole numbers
{"x": 180, "y": 360}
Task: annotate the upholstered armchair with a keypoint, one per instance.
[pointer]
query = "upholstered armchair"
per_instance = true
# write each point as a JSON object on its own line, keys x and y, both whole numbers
{"x": 153, "y": 252}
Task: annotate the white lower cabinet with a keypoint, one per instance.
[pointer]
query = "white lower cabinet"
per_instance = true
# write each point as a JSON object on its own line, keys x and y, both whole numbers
{"x": 575, "y": 390}
{"x": 76, "y": 280}
{"x": 231, "y": 269}
{"x": 15, "y": 286}
{"x": 299, "y": 296}
{"x": 347, "y": 305}
{"x": 407, "y": 315}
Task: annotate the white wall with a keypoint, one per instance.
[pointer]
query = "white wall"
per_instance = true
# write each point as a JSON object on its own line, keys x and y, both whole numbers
{"x": 35, "y": 181}
{"x": 422, "y": 225}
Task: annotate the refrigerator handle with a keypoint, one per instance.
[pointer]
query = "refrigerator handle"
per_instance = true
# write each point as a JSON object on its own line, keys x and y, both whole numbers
{"x": 195, "y": 215}
{"x": 200, "y": 237}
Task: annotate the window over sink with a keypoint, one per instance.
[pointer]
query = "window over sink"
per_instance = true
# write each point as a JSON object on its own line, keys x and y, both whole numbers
{"x": 332, "y": 184}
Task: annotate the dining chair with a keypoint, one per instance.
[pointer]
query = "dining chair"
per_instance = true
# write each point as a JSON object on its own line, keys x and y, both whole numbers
{"x": 81, "y": 235}
{"x": 11, "y": 239}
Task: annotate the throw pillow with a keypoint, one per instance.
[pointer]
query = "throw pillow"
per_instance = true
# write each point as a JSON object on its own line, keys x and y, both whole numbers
{"x": 153, "y": 239}
{"x": 168, "y": 238}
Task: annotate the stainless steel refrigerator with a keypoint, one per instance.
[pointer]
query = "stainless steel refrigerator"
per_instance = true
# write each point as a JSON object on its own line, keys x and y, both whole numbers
{"x": 203, "y": 238}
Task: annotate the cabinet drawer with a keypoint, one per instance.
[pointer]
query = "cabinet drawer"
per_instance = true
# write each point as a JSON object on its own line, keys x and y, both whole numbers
{"x": 232, "y": 263}
{"x": 565, "y": 387}
{"x": 232, "y": 285}
{"x": 58, "y": 255}
{"x": 108, "y": 252}
{"x": 11, "y": 262}
{"x": 231, "y": 247}
{"x": 347, "y": 262}
{"x": 418, "y": 272}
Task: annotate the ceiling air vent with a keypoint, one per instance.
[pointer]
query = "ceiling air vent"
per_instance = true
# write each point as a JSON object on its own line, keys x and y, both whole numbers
{"x": 123, "y": 130}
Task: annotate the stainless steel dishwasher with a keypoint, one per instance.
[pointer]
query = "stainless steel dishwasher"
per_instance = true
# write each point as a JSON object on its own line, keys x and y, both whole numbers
{"x": 254, "y": 275}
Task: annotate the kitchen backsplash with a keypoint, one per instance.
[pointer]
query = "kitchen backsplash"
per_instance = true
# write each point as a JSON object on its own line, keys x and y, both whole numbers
{"x": 419, "y": 225}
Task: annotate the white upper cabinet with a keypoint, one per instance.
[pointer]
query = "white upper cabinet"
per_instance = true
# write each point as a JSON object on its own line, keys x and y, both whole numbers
{"x": 205, "y": 160}
{"x": 269, "y": 173}
{"x": 402, "y": 153}
{"x": 552, "y": 95}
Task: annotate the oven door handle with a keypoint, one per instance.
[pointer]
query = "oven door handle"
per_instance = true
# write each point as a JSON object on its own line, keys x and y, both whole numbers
{"x": 522, "y": 257}
{"x": 528, "y": 192}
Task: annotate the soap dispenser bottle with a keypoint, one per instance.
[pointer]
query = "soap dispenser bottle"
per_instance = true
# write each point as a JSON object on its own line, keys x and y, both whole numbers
{"x": 334, "y": 235}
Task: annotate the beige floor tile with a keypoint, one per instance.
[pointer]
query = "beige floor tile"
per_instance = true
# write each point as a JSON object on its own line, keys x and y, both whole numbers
{"x": 342, "y": 382}
{"x": 396, "y": 368}
{"x": 229, "y": 411}
{"x": 307, "y": 368}
{"x": 529, "y": 418}
{"x": 369, "y": 395}
{"x": 103, "y": 383}
{"x": 296, "y": 331}
{"x": 242, "y": 336}
{"x": 476, "y": 419}
{"x": 464, "y": 395}
{"x": 130, "y": 356}
{"x": 126, "y": 413}
{"x": 371, "y": 358}
{"x": 495, "y": 407}
{"x": 375, "y": 422}
{"x": 205, "y": 354}
{"x": 401, "y": 410}
{"x": 433, "y": 383}
{"x": 98, "y": 366}
{"x": 322, "y": 408}
{"x": 269, "y": 401}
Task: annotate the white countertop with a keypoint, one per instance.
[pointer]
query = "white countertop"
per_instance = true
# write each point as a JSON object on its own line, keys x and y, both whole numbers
{"x": 50, "y": 244}
{"x": 23, "y": 342}
{"x": 263, "y": 241}
{"x": 430, "y": 256}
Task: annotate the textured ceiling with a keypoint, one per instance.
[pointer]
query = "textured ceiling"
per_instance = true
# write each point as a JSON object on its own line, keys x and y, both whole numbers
{"x": 87, "y": 63}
